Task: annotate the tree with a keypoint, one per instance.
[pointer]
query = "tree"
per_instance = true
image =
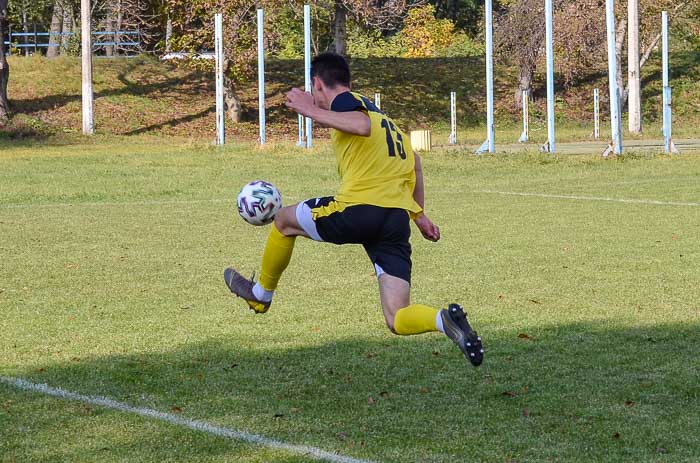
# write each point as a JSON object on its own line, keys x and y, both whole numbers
{"x": 378, "y": 15}
{"x": 193, "y": 31}
{"x": 4, "y": 68}
{"x": 579, "y": 36}
{"x": 519, "y": 34}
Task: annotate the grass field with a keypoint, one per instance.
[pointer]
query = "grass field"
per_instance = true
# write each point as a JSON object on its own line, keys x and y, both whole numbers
{"x": 581, "y": 274}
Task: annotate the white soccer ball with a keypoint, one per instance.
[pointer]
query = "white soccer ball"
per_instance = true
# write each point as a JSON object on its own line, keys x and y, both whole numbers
{"x": 258, "y": 202}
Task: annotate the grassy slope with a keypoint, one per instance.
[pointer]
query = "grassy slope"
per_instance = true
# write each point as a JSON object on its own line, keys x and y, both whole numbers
{"x": 111, "y": 284}
{"x": 144, "y": 96}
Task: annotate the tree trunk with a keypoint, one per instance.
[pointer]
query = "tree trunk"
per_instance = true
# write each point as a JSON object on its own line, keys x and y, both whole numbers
{"x": 25, "y": 29}
{"x": 168, "y": 34}
{"x": 55, "y": 37}
{"x": 120, "y": 21}
{"x": 527, "y": 71}
{"x": 67, "y": 28}
{"x": 109, "y": 27}
{"x": 633, "y": 80}
{"x": 231, "y": 100}
{"x": 619, "y": 41}
{"x": 4, "y": 68}
{"x": 341, "y": 30}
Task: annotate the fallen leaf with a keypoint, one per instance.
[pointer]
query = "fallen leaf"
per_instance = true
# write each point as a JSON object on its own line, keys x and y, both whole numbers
{"x": 509, "y": 394}
{"x": 508, "y": 359}
{"x": 616, "y": 436}
{"x": 525, "y": 389}
{"x": 295, "y": 410}
{"x": 370, "y": 401}
{"x": 342, "y": 436}
{"x": 526, "y": 412}
{"x": 524, "y": 336}
{"x": 436, "y": 353}
{"x": 384, "y": 394}
{"x": 369, "y": 355}
{"x": 424, "y": 390}
{"x": 278, "y": 415}
{"x": 176, "y": 409}
{"x": 629, "y": 403}
{"x": 535, "y": 301}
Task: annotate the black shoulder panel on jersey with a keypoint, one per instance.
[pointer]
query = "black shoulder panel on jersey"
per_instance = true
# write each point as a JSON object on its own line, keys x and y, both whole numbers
{"x": 345, "y": 102}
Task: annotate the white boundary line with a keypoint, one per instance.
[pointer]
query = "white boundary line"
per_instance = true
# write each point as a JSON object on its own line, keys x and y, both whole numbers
{"x": 201, "y": 201}
{"x": 201, "y": 426}
{"x": 589, "y": 198}
{"x": 112, "y": 203}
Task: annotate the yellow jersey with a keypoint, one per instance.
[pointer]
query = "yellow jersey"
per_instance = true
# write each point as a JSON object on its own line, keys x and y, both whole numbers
{"x": 379, "y": 169}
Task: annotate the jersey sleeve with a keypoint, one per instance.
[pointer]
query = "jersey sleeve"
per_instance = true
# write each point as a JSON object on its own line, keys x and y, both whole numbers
{"x": 346, "y": 102}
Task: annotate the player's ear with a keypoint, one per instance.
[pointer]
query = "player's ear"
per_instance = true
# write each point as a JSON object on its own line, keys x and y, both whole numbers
{"x": 317, "y": 83}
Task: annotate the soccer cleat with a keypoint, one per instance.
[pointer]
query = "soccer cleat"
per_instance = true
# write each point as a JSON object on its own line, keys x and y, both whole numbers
{"x": 243, "y": 288}
{"x": 457, "y": 328}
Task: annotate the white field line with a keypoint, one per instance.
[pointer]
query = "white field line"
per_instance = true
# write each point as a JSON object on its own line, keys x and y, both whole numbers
{"x": 216, "y": 200}
{"x": 112, "y": 203}
{"x": 590, "y": 198}
{"x": 201, "y": 426}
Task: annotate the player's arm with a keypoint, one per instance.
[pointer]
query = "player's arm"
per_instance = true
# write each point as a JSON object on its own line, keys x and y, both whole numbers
{"x": 352, "y": 122}
{"x": 428, "y": 229}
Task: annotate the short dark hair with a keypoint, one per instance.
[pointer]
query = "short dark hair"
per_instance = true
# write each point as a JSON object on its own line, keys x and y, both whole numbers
{"x": 332, "y": 69}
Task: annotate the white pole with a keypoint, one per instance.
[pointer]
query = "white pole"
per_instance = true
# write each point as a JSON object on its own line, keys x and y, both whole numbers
{"x": 219, "y": 69}
{"x": 634, "y": 96}
{"x": 550, "y": 146}
{"x": 307, "y": 66}
{"x": 666, "y": 88}
{"x": 596, "y": 114}
{"x": 261, "y": 77}
{"x": 615, "y": 122}
{"x": 525, "y": 136}
{"x": 378, "y": 100}
{"x": 489, "y": 144}
{"x": 86, "y": 30}
{"x": 453, "y": 118}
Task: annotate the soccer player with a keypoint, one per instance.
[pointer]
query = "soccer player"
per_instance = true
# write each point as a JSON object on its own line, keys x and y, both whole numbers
{"x": 381, "y": 191}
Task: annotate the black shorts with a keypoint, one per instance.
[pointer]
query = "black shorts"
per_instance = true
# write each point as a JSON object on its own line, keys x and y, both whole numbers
{"x": 383, "y": 232}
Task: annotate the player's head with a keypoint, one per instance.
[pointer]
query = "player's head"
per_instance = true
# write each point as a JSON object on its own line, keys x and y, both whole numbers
{"x": 332, "y": 69}
{"x": 329, "y": 73}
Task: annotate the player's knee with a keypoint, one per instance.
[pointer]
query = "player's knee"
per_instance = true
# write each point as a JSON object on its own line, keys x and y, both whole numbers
{"x": 285, "y": 223}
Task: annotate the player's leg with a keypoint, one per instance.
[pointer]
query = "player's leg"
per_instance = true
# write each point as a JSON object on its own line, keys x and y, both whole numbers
{"x": 391, "y": 256}
{"x": 276, "y": 257}
{"x": 400, "y": 315}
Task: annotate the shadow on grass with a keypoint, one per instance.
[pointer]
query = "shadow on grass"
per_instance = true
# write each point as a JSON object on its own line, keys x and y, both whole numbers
{"x": 583, "y": 392}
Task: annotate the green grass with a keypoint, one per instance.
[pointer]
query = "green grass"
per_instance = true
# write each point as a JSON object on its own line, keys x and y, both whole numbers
{"x": 110, "y": 284}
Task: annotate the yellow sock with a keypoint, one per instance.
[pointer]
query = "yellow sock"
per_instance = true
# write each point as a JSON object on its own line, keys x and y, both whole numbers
{"x": 278, "y": 252}
{"x": 415, "y": 319}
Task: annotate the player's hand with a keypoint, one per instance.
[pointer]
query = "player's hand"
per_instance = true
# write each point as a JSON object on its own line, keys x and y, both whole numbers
{"x": 428, "y": 229}
{"x": 300, "y": 101}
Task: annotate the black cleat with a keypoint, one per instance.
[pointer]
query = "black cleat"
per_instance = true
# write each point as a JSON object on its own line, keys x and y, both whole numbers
{"x": 457, "y": 328}
{"x": 243, "y": 288}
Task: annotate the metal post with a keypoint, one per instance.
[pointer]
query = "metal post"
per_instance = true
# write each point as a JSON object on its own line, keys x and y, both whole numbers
{"x": 615, "y": 121}
{"x": 86, "y": 51}
{"x": 36, "y": 39}
{"x": 378, "y": 100}
{"x": 489, "y": 144}
{"x": 596, "y": 114}
{"x": 669, "y": 147}
{"x": 261, "y": 77}
{"x": 550, "y": 146}
{"x": 219, "y": 65}
{"x": 453, "y": 118}
{"x": 525, "y": 136}
{"x": 300, "y": 140}
{"x": 307, "y": 67}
